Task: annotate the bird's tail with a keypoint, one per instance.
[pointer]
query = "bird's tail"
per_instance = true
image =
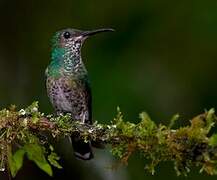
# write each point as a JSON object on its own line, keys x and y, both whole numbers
{"x": 82, "y": 150}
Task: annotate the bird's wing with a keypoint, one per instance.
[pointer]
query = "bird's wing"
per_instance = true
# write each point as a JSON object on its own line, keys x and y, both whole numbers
{"x": 80, "y": 96}
{"x": 89, "y": 101}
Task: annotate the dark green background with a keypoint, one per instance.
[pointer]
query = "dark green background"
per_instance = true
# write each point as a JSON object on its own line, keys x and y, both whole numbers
{"x": 161, "y": 59}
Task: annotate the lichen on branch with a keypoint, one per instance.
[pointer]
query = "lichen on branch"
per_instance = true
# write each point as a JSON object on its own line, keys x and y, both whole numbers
{"x": 190, "y": 146}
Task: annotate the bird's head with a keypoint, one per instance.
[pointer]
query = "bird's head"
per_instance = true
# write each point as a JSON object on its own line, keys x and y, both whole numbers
{"x": 73, "y": 39}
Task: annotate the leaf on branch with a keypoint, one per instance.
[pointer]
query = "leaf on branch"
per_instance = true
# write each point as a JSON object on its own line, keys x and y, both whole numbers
{"x": 213, "y": 140}
{"x": 173, "y": 120}
{"x": 36, "y": 153}
{"x": 53, "y": 159}
{"x": 15, "y": 160}
{"x": 210, "y": 118}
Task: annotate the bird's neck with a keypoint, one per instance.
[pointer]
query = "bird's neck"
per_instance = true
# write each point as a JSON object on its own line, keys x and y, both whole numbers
{"x": 66, "y": 62}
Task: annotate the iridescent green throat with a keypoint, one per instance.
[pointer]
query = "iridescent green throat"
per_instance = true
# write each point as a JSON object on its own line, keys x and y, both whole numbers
{"x": 56, "y": 64}
{"x": 65, "y": 61}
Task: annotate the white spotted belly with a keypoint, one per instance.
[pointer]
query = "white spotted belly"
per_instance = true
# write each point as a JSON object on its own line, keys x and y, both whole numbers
{"x": 62, "y": 102}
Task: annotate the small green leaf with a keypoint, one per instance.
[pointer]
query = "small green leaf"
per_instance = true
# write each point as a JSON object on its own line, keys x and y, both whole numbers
{"x": 213, "y": 140}
{"x": 32, "y": 108}
{"x": 53, "y": 159}
{"x": 36, "y": 153}
{"x": 146, "y": 121}
{"x": 18, "y": 158}
{"x": 118, "y": 151}
{"x": 210, "y": 119}
{"x": 15, "y": 161}
{"x": 119, "y": 116}
{"x": 173, "y": 120}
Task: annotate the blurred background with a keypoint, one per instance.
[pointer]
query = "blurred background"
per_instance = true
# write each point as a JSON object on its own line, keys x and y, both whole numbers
{"x": 162, "y": 59}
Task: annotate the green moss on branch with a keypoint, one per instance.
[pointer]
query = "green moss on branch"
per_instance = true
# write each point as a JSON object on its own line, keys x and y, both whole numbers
{"x": 186, "y": 147}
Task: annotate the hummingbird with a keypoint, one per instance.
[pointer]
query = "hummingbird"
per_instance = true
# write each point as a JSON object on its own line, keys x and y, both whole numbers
{"x": 67, "y": 82}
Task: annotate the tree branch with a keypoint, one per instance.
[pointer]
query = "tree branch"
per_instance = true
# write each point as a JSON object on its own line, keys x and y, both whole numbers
{"x": 187, "y": 147}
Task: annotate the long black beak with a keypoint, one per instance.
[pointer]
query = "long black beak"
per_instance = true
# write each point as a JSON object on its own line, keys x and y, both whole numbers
{"x": 93, "y": 32}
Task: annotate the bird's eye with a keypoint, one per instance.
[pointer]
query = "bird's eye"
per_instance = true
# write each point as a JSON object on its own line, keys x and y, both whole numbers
{"x": 66, "y": 35}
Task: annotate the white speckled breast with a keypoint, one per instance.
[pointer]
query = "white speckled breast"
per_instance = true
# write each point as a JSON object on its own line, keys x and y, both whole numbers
{"x": 70, "y": 96}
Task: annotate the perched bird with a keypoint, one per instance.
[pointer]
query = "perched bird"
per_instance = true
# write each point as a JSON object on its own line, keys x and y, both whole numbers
{"x": 67, "y": 81}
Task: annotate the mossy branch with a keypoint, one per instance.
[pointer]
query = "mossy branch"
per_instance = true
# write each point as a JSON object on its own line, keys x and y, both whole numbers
{"x": 186, "y": 147}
